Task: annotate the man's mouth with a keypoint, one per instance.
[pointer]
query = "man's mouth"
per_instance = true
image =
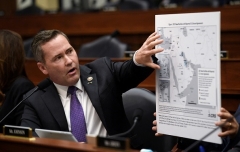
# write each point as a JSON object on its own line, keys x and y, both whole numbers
{"x": 72, "y": 71}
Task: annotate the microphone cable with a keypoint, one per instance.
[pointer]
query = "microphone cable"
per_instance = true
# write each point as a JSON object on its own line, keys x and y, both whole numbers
{"x": 41, "y": 85}
{"x": 218, "y": 127}
{"x": 137, "y": 115}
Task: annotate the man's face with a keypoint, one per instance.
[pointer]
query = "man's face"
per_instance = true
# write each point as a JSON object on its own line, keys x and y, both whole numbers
{"x": 61, "y": 61}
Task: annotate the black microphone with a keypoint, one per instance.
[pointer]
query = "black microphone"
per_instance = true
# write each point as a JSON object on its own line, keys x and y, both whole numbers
{"x": 41, "y": 85}
{"x": 137, "y": 115}
{"x": 107, "y": 42}
{"x": 114, "y": 34}
{"x": 208, "y": 134}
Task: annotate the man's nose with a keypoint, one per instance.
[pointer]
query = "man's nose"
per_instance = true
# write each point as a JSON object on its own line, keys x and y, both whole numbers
{"x": 68, "y": 60}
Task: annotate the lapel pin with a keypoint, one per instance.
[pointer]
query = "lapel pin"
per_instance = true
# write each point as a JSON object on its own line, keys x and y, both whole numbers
{"x": 89, "y": 79}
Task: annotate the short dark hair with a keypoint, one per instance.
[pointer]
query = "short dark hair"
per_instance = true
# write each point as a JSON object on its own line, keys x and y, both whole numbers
{"x": 41, "y": 38}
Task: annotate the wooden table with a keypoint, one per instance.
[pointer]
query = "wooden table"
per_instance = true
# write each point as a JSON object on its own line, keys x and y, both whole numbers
{"x": 13, "y": 144}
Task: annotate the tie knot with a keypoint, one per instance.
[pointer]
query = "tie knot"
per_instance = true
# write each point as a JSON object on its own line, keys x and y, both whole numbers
{"x": 72, "y": 90}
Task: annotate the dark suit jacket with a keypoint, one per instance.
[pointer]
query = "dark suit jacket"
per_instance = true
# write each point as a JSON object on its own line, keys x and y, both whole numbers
{"x": 13, "y": 95}
{"x": 110, "y": 79}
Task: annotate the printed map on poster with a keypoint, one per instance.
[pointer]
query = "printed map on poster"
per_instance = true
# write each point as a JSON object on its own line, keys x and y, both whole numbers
{"x": 188, "y": 82}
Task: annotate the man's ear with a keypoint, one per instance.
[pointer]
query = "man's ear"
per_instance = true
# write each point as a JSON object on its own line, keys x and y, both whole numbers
{"x": 42, "y": 67}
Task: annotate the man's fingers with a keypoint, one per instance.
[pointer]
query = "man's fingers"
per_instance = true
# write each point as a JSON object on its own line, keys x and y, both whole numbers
{"x": 222, "y": 134}
{"x": 223, "y": 109}
{"x": 152, "y": 44}
{"x": 225, "y": 133}
{"x": 225, "y": 115}
{"x": 151, "y": 35}
{"x": 153, "y": 51}
{"x": 158, "y": 134}
{"x": 153, "y": 65}
{"x": 152, "y": 39}
{"x": 154, "y": 128}
{"x": 219, "y": 123}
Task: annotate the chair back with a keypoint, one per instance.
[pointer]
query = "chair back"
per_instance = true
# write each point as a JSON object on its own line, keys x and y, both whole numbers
{"x": 199, "y": 3}
{"x": 133, "y": 5}
{"x": 139, "y": 98}
{"x": 104, "y": 46}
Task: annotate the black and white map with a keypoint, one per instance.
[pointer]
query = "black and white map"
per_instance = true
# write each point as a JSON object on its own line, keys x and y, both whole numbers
{"x": 188, "y": 82}
{"x": 186, "y": 50}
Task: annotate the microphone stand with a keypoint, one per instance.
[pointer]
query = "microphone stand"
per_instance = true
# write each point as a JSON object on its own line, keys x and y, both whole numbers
{"x": 41, "y": 85}
{"x": 200, "y": 140}
{"x": 126, "y": 133}
{"x": 36, "y": 88}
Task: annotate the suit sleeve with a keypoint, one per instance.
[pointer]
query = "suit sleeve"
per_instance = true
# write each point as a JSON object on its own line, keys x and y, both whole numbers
{"x": 129, "y": 75}
{"x": 29, "y": 118}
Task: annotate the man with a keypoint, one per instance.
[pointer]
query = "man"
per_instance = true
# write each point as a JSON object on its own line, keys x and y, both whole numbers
{"x": 99, "y": 84}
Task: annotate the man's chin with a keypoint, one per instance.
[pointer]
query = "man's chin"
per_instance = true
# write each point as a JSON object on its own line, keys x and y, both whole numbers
{"x": 73, "y": 80}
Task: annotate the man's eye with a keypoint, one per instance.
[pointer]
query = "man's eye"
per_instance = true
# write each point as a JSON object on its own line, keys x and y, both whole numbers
{"x": 58, "y": 58}
{"x": 69, "y": 51}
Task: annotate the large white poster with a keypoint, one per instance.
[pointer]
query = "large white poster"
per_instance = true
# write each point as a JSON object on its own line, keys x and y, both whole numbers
{"x": 188, "y": 91}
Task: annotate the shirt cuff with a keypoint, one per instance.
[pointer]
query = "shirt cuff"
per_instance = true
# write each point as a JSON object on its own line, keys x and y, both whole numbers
{"x": 135, "y": 62}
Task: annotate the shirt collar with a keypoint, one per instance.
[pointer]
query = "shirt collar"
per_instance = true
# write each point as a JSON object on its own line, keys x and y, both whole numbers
{"x": 62, "y": 90}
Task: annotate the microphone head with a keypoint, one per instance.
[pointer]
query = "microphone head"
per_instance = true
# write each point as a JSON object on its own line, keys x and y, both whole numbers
{"x": 115, "y": 33}
{"x": 138, "y": 113}
{"x": 44, "y": 84}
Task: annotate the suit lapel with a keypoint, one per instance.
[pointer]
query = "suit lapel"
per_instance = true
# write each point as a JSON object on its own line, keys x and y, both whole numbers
{"x": 89, "y": 82}
{"x": 53, "y": 103}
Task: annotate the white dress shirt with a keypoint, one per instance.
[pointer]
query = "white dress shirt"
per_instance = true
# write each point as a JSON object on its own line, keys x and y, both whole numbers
{"x": 93, "y": 122}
